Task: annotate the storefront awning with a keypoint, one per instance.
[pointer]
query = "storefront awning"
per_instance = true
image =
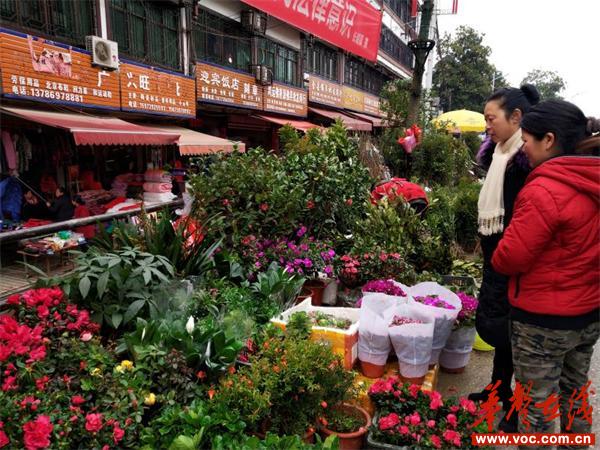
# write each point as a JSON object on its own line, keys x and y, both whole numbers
{"x": 376, "y": 121}
{"x": 349, "y": 122}
{"x": 97, "y": 130}
{"x": 301, "y": 125}
{"x": 194, "y": 143}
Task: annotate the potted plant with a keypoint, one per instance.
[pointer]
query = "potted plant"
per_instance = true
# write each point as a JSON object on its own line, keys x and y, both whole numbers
{"x": 407, "y": 417}
{"x": 456, "y": 353}
{"x": 348, "y": 422}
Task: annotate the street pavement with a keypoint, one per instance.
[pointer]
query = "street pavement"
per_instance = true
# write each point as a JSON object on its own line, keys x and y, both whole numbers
{"x": 478, "y": 374}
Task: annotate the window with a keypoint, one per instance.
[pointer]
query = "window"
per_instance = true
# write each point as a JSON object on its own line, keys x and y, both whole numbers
{"x": 221, "y": 41}
{"x": 402, "y": 9}
{"x": 282, "y": 60}
{"x": 322, "y": 60}
{"x": 68, "y": 20}
{"x": 147, "y": 31}
{"x": 393, "y": 46}
{"x": 363, "y": 76}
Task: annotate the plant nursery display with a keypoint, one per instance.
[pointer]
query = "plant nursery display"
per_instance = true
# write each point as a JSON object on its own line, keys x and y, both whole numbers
{"x": 321, "y": 319}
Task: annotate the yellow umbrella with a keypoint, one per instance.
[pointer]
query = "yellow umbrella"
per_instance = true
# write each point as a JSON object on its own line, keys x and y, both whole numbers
{"x": 463, "y": 119}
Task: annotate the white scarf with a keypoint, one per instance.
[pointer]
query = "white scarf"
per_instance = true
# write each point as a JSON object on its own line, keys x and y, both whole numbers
{"x": 491, "y": 197}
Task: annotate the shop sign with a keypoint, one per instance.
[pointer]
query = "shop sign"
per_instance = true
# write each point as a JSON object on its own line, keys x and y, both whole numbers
{"x": 218, "y": 85}
{"x": 353, "y": 25}
{"x": 158, "y": 91}
{"x": 360, "y": 101}
{"x": 324, "y": 92}
{"x": 285, "y": 99}
{"x": 36, "y": 69}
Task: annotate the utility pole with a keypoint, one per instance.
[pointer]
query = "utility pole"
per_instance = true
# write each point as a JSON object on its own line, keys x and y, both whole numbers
{"x": 421, "y": 48}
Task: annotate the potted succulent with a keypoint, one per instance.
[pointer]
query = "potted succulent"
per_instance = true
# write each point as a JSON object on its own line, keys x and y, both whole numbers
{"x": 456, "y": 353}
{"x": 348, "y": 422}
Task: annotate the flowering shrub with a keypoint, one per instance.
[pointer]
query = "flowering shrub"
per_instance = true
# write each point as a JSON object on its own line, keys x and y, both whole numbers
{"x": 356, "y": 270}
{"x": 434, "y": 300}
{"x": 408, "y": 416}
{"x": 466, "y": 316}
{"x": 57, "y": 386}
{"x": 301, "y": 255}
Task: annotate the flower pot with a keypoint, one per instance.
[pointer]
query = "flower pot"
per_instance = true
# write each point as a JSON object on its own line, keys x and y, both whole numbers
{"x": 371, "y": 370}
{"x": 317, "y": 287}
{"x": 353, "y": 440}
{"x": 304, "y": 294}
{"x": 455, "y": 356}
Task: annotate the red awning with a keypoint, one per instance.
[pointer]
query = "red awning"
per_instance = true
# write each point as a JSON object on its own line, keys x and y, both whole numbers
{"x": 97, "y": 130}
{"x": 194, "y": 143}
{"x": 301, "y": 125}
{"x": 376, "y": 121}
{"x": 349, "y": 122}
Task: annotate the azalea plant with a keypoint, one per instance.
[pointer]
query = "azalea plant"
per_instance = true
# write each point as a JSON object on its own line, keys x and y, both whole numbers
{"x": 409, "y": 416}
{"x": 59, "y": 386}
{"x": 466, "y": 316}
{"x": 434, "y": 300}
{"x": 357, "y": 269}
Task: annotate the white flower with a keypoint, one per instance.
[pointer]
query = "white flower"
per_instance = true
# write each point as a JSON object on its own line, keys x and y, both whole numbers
{"x": 189, "y": 326}
{"x": 143, "y": 333}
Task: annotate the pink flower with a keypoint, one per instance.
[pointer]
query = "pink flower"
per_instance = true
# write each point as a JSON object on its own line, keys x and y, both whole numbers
{"x": 436, "y": 400}
{"x": 77, "y": 400}
{"x": 468, "y": 405}
{"x": 451, "y": 418}
{"x": 452, "y": 437}
{"x": 93, "y": 422}
{"x": 36, "y": 434}
{"x": 403, "y": 429}
{"x": 436, "y": 441}
{"x": 9, "y": 383}
{"x": 431, "y": 423}
{"x": 415, "y": 419}
{"x": 414, "y": 390}
{"x": 118, "y": 433}
{"x": 86, "y": 336}
{"x": 41, "y": 383}
{"x": 4, "y": 441}
{"x": 388, "y": 422}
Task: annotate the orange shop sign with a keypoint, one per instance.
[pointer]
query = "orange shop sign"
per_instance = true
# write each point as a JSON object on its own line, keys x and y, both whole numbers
{"x": 285, "y": 99}
{"x": 156, "y": 91}
{"x": 361, "y": 101}
{"x": 216, "y": 84}
{"x": 324, "y": 91}
{"x": 36, "y": 69}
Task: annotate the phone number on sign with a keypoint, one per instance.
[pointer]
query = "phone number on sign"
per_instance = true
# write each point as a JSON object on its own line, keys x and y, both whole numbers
{"x": 44, "y": 93}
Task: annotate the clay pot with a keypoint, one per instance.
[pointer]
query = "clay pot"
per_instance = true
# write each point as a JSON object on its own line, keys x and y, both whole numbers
{"x": 304, "y": 294}
{"x": 317, "y": 287}
{"x": 353, "y": 440}
{"x": 371, "y": 370}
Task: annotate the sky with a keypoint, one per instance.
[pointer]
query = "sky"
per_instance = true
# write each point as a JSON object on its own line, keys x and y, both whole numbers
{"x": 558, "y": 35}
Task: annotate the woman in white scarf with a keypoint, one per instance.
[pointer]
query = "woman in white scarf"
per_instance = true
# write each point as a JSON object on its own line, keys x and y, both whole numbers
{"x": 507, "y": 169}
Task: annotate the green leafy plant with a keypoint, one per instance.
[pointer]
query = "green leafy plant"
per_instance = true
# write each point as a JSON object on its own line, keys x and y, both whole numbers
{"x": 298, "y": 326}
{"x": 343, "y": 419}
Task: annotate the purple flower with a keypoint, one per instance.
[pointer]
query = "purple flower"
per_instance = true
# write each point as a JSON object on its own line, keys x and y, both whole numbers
{"x": 301, "y": 232}
{"x": 469, "y": 306}
{"x": 434, "y": 300}
{"x": 328, "y": 270}
{"x": 307, "y": 263}
{"x": 385, "y": 287}
{"x": 257, "y": 264}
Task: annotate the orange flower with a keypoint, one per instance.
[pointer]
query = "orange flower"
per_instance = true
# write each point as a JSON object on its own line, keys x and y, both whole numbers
{"x": 324, "y": 404}
{"x": 211, "y": 393}
{"x": 231, "y": 370}
{"x": 323, "y": 421}
{"x": 201, "y": 375}
{"x": 276, "y": 369}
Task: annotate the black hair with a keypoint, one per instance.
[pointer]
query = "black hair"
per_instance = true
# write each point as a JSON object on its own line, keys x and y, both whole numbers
{"x": 510, "y": 99}
{"x": 565, "y": 120}
{"x": 79, "y": 200}
{"x": 61, "y": 189}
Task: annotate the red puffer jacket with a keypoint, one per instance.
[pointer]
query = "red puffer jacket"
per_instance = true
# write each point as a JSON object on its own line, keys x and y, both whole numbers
{"x": 551, "y": 248}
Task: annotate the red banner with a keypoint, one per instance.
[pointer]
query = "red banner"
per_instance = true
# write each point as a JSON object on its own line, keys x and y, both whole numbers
{"x": 353, "y": 25}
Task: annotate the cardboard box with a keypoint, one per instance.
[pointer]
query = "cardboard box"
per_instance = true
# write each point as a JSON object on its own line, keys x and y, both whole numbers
{"x": 343, "y": 342}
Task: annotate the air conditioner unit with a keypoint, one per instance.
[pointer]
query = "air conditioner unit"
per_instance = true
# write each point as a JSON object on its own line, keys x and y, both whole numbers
{"x": 262, "y": 74}
{"x": 105, "y": 53}
{"x": 254, "y": 21}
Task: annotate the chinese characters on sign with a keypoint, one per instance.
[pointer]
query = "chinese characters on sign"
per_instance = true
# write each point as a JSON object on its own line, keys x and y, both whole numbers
{"x": 353, "y": 25}
{"x": 148, "y": 89}
{"x": 521, "y": 401}
{"x": 217, "y": 85}
{"x": 45, "y": 71}
{"x": 324, "y": 92}
{"x": 360, "y": 101}
{"x": 285, "y": 99}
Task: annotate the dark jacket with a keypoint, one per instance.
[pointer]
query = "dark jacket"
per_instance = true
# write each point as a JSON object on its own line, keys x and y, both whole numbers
{"x": 552, "y": 248}
{"x": 493, "y": 312}
{"x": 62, "y": 208}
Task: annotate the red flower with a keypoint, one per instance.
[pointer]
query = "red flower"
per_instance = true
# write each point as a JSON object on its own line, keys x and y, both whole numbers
{"x": 310, "y": 204}
{"x": 414, "y": 390}
{"x": 37, "y": 433}
{"x": 41, "y": 383}
{"x": 451, "y": 418}
{"x": 264, "y": 207}
{"x": 388, "y": 422}
{"x": 436, "y": 400}
{"x": 9, "y": 383}
{"x": 93, "y": 422}
{"x": 43, "y": 311}
{"x": 13, "y": 300}
{"x": 453, "y": 437}
{"x": 77, "y": 400}
{"x": 37, "y": 354}
{"x": 201, "y": 375}
{"x": 118, "y": 433}
{"x": 324, "y": 404}
{"x": 3, "y": 439}
{"x": 436, "y": 441}
{"x": 225, "y": 202}
{"x": 349, "y": 202}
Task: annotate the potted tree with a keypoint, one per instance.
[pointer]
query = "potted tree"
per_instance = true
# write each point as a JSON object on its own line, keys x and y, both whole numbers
{"x": 348, "y": 422}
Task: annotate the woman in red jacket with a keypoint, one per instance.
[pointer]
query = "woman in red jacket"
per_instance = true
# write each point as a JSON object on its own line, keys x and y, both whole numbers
{"x": 551, "y": 251}
{"x": 81, "y": 211}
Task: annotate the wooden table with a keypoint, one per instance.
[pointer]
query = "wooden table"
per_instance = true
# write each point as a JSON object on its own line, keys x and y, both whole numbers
{"x": 47, "y": 257}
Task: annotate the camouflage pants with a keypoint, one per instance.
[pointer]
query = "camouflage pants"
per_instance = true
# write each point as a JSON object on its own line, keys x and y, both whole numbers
{"x": 556, "y": 362}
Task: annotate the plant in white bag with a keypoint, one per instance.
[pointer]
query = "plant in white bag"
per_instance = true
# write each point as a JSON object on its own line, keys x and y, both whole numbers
{"x": 466, "y": 316}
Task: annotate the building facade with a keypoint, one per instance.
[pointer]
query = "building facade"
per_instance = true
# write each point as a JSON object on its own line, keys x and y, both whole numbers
{"x": 234, "y": 68}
